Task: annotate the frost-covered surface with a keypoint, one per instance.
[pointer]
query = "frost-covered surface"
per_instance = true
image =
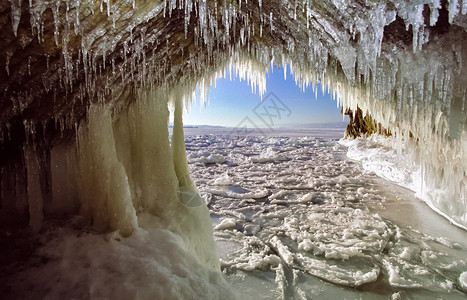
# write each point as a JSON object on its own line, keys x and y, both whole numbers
{"x": 377, "y": 157}
{"x": 152, "y": 263}
{"x": 384, "y": 161}
{"x": 309, "y": 222}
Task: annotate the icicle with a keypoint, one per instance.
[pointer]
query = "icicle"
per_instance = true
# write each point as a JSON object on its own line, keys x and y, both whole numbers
{"x": 15, "y": 6}
{"x": 453, "y": 8}
{"x": 179, "y": 156}
{"x": 435, "y": 6}
{"x": 295, "y": 10}
{"x": 270, "y": 22}
{"x": 7, "y": 62}
{"x": 261, "y": 27}
{"x": 107, "y": 197}
{"x": 55, "y": 12}
{"x": 108, "y": 7}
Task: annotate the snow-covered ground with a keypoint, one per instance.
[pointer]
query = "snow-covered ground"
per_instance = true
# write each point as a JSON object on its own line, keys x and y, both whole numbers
{"x": 152, "y": 263}
{"x": 295, "y": 218}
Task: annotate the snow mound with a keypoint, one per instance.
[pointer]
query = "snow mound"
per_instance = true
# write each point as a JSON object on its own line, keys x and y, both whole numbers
{"x": 269, "y": 155}
{"x": 152, "y": 263}
{"x": 463, "y": 281}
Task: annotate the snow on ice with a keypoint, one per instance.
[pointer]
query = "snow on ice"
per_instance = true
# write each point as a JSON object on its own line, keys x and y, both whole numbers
{"x": 317, "y": 217}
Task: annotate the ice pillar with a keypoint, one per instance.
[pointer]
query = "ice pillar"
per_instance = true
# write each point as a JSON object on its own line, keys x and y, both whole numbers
{"x": 105, "y": 193}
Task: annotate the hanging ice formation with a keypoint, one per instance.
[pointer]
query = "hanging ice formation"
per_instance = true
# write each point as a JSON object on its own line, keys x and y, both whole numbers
{"x": 86, "y": 87}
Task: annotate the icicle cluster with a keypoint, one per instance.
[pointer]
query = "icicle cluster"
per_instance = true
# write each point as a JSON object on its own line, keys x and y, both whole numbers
{"x": 101, "y": 53}
{"x": 125, "y": 167}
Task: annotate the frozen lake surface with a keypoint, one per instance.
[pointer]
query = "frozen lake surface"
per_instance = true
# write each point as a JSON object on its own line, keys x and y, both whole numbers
{"x": 295, "y": 218}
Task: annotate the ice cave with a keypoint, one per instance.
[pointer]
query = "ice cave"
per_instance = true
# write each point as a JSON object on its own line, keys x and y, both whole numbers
{"x": 98, "y": 200}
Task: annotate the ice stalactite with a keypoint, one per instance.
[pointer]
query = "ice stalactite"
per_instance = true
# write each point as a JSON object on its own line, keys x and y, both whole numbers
{"x": 143, "y": 147}
{"x": 195, "y": 221}
{"x": 422, "y": 98}
{"x": 105, "y": 192}
{"x": 178, "y": 145}
{"x": 124, "y": 167}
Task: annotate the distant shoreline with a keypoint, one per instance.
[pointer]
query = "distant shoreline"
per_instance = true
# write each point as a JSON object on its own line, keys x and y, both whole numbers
{"x": 291, "y": 126}
{"x": 334, "y": 133}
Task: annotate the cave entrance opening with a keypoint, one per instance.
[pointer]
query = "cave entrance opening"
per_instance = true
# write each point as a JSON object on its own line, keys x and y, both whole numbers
{"x": 241, "y": 106}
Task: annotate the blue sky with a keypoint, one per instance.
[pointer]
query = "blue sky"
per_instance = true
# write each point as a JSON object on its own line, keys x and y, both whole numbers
{"x": 232, "y": 101}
